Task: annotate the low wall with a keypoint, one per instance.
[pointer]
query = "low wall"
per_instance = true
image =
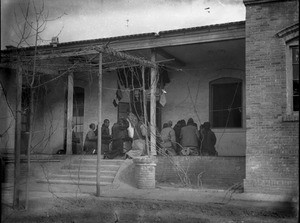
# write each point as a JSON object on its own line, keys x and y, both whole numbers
{"x": 217, "y": 172}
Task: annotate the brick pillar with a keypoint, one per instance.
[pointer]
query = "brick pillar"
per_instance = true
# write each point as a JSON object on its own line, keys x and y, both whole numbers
{"x": 145, "y": 172}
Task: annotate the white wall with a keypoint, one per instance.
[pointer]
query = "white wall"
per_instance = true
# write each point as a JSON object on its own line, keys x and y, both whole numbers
{"x": 188, "y": 97}
{"x": 91, "y": 100}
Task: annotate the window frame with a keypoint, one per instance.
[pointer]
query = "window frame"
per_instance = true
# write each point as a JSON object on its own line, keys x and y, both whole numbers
{"x": 227, "y": 80}
{"x": 78, "y": 120}
{"x": 290, "y": 36}
{"x": 289, "y": 78}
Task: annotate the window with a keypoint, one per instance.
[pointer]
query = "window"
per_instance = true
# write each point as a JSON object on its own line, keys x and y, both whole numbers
{"x": 290, "y": 36}
{"x": 78, "y": 109}
{"x": 295, "y": 70}
{"x": 226, "y": 103}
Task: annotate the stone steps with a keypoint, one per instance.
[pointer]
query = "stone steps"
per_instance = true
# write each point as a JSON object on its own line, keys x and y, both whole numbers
{"x": 80, "y": 167}
{"x": 83, "y": 171}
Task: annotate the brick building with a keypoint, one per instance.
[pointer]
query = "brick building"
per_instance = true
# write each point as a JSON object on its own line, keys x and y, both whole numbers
{"x": 241, "y": 76}
{"x": 272, "y": 96}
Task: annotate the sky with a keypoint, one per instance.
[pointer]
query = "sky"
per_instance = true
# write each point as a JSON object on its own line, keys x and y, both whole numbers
{"x": 74, "y": 20}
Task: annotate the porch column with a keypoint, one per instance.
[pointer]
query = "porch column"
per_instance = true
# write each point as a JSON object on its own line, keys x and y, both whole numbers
{"x": 17, "y": 152}
{"x": 70, "y": 112}
{"x": 153, "y": 105}
{"x": 99, "y": 142}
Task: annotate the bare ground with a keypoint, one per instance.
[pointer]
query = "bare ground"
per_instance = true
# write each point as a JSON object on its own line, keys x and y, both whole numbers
{"x": 94, "y": 209}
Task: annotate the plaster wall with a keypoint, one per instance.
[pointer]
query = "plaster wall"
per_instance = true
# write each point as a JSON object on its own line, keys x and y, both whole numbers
{"x": 91, "y": 99}
{"x": 49, "y": 118}
{"x": 188, "y": 97}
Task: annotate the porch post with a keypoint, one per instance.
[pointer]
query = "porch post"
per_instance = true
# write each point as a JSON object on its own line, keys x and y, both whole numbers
{"x": 145, "y": 109}
{"x": 17, "y": 152}
{"x": 70, "y": 112}
{"x": 153, "y": 105}
{"x": 99, "y": 124}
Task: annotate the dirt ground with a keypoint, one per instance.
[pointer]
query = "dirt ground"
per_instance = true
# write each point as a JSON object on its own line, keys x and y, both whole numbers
{"x": 94, "y": 209}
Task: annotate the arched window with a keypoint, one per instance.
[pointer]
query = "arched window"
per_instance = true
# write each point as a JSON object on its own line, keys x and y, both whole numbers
{"x": 226, "y": 103}
{"x": 290, "y": 35}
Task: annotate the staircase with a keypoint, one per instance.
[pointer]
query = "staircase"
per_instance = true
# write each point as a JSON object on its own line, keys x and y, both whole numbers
{"x": 82, "y": 171}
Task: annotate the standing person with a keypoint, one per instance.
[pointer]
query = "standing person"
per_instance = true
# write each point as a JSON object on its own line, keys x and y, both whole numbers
{"x": 189, "y": 136}
{"x": 105, "y": 136}
{"x": 119, "y": 134}
{"x": 139, "y": 139}
{"x": 168, "y": 140}
{"x": 177, "y": 128}
{"x": 90, "y": 143}
{"x": 208, "y": 140}
{"x": 132, "y": 118}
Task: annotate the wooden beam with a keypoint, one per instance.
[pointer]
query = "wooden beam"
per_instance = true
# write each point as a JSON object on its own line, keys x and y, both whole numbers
{"x": 46, "y": 70}
{"x": 125, "y": 56}
{"x": 167, "y": 55}
{"x": 70, "y": 112}
{"x": 98, "y": 49}
{"x": 17, "y": 152}
{"x": 153, "y": 105}
{"x": 145, "y": 110}
{"x": 99, "y": 142}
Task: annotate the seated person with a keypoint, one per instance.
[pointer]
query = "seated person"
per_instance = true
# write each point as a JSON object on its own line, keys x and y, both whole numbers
{"x": 207, "y": 141}
{"x": 168, "y": 140}
{"x": 90, "y": 144}
{"x": 189, "y": 136}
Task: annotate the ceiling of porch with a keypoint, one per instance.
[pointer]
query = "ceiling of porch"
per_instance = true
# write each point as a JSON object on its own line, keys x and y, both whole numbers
{"x": 196, "y": 54}
{"x": 227, "y": 51}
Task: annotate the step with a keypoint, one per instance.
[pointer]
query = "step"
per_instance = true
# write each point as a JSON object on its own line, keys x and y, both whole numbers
{"x": 75, "y": 182}
{"x": 81, "y": 177}
{"x": 90, "y": 167}
{"x": 94, "y": 161}
{"x": 88, "y": 172}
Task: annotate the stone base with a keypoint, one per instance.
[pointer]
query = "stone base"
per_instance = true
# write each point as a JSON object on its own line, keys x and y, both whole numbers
{"x": 145, "y": 172}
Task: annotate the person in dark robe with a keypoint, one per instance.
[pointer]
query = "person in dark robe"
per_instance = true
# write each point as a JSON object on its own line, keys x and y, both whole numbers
{"x": 119, "y": 135}
{"x": 177, "y": 128}
{"x": 207, "y": 141}
{"x": 106, "y": 137}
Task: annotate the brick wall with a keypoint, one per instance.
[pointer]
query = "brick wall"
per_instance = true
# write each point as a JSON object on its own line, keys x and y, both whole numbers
{"x": 218, "y": 172}
{"x": 272, "y": 145}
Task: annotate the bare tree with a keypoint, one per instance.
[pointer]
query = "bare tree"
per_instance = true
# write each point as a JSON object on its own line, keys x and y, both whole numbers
{"x": 35, "y": 20}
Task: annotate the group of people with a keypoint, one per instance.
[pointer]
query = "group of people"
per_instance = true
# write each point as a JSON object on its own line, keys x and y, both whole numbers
{"x": 128, "y": 139}
{"x": 185, "y": 139}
